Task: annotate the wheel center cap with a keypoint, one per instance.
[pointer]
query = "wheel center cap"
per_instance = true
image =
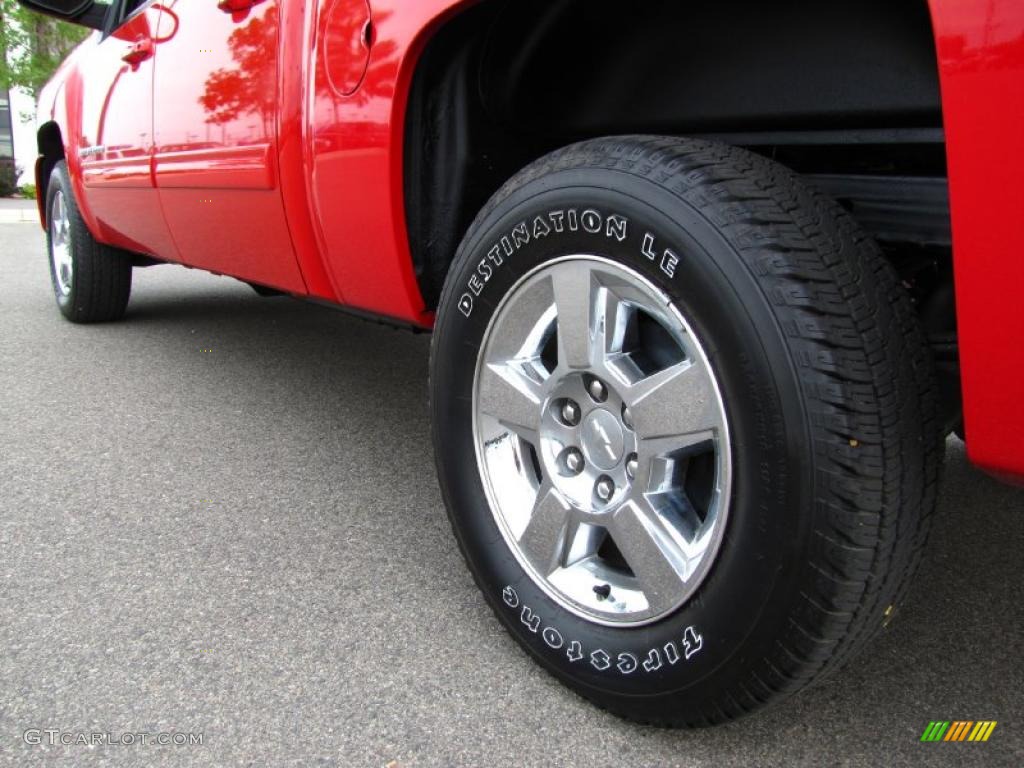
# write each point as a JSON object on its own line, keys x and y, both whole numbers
{"x": 602, "y": 439}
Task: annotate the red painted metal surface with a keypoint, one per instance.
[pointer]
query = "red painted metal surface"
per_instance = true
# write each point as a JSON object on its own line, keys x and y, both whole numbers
{"x": 356, "y": 163}
{"x": 295, "y": 150}
{"x": 278, "y": 158}
{"x": 215, "y": 122}
{"x": 347, "y": 38}
{"x": 247, "y": 167}
{"x": 112, "y": 136}
{"x": 981, "y": 60}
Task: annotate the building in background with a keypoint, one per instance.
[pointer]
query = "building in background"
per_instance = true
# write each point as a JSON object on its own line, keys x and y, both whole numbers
{"x": 23, "y": 123}
{"x": 17, "y": 136}
{"x": 8, "y": 174}
{"x": 6, "y": 127}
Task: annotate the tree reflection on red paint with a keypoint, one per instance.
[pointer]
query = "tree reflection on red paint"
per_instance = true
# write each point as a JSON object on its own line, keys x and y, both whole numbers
{"x": 250, "y": 87}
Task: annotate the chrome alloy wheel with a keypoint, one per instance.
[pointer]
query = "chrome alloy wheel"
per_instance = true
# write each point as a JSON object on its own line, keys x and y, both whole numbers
{"x": 60, "y": 245}
{"x": 602, "y": 441}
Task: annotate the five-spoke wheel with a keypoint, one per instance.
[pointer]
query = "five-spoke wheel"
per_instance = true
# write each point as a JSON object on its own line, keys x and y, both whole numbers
{"x": 602, "y": 440}
{"x": 685, "y": 425}
{"x": 60, "y": 245}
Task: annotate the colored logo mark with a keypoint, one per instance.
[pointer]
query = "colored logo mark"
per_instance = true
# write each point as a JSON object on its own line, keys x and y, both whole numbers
{"x": 958, "y": 730}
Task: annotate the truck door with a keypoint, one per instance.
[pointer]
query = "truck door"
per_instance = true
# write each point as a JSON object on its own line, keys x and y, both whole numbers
{"x": 116, "y": 143}
{"x": 215, "y": 123}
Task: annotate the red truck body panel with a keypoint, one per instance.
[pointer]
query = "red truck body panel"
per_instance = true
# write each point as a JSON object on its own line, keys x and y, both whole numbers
{"x": 356, "y": 159}
{"x": 286, "y": 168}
{"x": 980, "y": 46}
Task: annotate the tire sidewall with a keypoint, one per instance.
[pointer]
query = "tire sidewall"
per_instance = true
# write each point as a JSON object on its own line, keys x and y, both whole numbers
{"x": 742, "y": 601}
{"x": 59, "y": 181}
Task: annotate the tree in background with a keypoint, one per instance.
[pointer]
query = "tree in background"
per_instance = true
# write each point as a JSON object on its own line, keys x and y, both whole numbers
{"x": 32, "y": 46}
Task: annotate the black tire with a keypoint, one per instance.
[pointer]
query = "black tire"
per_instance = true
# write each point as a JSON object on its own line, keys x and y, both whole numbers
{"x": 101, "y": 275}
{"x": 828, "y": 388}
{"x": 264, "y": 291}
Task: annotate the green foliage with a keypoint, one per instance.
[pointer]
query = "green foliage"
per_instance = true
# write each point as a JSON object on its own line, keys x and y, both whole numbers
{"x": 32, "y": 46}
{"x": 27, "y": 191}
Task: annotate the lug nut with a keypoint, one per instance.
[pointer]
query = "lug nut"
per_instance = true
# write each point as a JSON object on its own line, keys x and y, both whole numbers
{"x": 631, "y": 465}
{"x": 574, "y": 461}
{"x": 604, "y": 488}
{"x": 570, "y": 413}
{"x": 627, "y": 417}
{"x": 597, "y": 390}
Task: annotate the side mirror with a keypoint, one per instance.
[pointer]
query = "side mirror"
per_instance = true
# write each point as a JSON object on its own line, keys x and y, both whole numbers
{"x": 86, "y": 13}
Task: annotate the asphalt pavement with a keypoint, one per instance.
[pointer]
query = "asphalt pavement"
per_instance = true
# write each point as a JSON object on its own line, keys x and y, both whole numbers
{"x": 220, "y": 517}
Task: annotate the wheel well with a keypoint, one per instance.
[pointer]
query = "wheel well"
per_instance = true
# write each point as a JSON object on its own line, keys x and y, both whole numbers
{"x": 846, "y": 91}
{"x": 51, "y": 151}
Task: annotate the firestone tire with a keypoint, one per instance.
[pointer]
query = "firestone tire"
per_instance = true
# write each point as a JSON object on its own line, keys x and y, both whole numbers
{"x": 828, "y": 392}
{"x": 91, "y": 281}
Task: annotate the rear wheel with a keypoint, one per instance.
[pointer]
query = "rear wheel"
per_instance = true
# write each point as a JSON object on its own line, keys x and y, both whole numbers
{"x": 91, "y": 281}
{"x": 685, "y": 425}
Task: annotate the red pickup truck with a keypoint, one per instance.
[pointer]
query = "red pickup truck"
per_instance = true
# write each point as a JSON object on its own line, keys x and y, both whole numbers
{"x": 709, "y": 282}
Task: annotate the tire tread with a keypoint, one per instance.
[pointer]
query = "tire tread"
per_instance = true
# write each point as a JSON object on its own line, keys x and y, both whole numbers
{"x": 869, "y": 390}
{"x": 103, "y": 274}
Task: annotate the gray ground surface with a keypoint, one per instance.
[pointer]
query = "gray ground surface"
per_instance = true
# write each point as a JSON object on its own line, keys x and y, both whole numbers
{"x": 249, "y": 542}
{"x": 18, "y": 210}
